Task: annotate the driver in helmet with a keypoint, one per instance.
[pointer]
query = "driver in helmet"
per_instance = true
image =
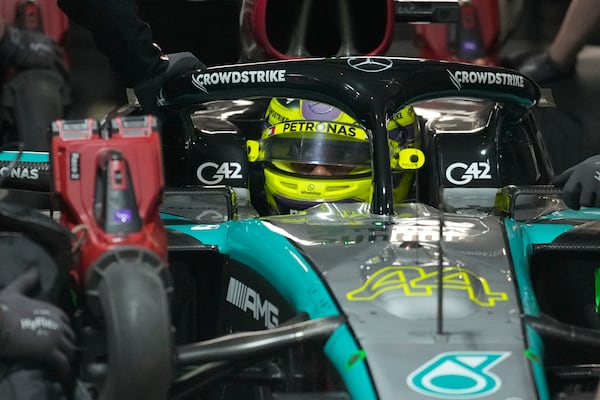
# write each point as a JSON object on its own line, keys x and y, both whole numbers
{"x": 313, "y": 153}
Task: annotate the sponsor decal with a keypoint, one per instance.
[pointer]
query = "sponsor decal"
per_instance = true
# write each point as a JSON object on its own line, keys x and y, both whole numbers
{"x": 370, "y": 64}
{"x": 459, "y": 78}
{"x": 247, "y": 299}
{"x": 38, "y": 323}
{"x": 319, "y": 127}
{"x": 274, "y": 117}
{"x": 458, "y": 375}
{"x": 484, "y": 253}
{"x": 416, "y": 281}
{"x": 20, "y": 173}
{"x": 312, "y": 190}
{"x": 211, "y": 173}
{"x": 460, "y": 173}
{"x": 428, "y": 229}
{"x": 74, "y": 165}
{"x": 201, "y": 80}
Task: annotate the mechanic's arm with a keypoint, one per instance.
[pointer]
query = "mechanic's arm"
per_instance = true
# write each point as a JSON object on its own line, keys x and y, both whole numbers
{"x": 581, "y": 184}
{"x": 33, "y": 330}
{"x": 128, "y": 43}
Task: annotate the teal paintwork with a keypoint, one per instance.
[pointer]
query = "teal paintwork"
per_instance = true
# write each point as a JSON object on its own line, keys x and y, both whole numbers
{"x": 521, "y": 238}
{"x": 278, "y": 260}
{"x": 26, "y": 156}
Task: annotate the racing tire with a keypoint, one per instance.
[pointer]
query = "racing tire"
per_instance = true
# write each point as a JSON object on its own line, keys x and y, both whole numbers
{"x": 130, "y": 287}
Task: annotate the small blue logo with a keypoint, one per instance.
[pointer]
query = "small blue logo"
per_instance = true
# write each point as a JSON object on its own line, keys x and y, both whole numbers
{"x": 460, "y": 375}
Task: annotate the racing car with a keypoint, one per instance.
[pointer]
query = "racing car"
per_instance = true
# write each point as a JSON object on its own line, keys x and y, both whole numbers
{"x": 479, "y": 284}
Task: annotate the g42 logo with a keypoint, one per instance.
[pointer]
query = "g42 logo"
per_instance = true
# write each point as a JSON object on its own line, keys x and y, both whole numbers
{"x": 211, "y": 173}
{"x": 460, "y": 173}
{"x": 461, "y": 375}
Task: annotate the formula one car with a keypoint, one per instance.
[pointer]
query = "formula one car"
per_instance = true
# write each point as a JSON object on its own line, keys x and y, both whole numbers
{"x": 480, "y": 284}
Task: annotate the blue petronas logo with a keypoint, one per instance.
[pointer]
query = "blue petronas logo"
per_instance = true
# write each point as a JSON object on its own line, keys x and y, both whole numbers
{"x": 458, "y": 375}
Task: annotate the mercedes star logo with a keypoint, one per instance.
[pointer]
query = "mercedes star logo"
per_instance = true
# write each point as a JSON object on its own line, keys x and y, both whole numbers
{"x": 370, "y": 64}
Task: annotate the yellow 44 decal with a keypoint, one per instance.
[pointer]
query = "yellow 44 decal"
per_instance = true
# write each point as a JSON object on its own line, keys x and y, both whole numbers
{"x": 418, "y": 281}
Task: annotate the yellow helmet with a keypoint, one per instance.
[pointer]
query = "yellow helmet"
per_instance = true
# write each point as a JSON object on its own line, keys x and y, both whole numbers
{"x": 315, "y": 153}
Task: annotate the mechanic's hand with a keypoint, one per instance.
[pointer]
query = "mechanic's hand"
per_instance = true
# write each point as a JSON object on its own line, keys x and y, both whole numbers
{"x": 581, "y": 184}
{"x": 30, "y": 50}
{"x": 33, "y": 330}
{"x": 148, "y": 90}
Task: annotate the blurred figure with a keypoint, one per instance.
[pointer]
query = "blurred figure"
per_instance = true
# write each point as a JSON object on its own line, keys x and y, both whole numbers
{"x": 559, "y": 59}
{"x": 34, "y": 85}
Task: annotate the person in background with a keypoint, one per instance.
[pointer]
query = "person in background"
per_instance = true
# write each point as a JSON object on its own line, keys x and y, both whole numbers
{"x": 559, "y": 59}
{"x": 33, "y": 83}
{"x": 28, "y": 49}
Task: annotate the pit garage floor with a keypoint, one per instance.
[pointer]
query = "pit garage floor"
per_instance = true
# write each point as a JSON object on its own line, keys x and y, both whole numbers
{"x": 571, "y": 130}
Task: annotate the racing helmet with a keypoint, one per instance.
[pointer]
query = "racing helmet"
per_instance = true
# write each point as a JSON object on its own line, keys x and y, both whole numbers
{"x": 313, "y": 153}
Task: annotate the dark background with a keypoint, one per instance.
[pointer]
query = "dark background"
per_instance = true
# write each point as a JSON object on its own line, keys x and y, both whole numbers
{"x": 210, "y": 29}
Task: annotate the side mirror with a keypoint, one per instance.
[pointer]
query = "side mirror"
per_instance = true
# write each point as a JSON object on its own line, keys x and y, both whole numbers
{"x": 204, "y": 204}
{"x": 526, "y": 203}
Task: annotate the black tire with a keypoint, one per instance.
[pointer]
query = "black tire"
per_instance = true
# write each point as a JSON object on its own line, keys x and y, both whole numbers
{"x": 132, "y": 296}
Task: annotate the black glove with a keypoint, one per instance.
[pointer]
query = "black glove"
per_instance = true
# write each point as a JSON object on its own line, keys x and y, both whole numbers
{"x": 33, "y": 330}
{"x": 179, "y": 63}
{"x": 29, "y": 50}
{"x": 581, "y": 184}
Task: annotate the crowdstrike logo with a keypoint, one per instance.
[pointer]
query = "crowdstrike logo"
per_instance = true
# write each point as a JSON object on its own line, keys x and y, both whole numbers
{"x": 458, "y": 78}
{"x": 454, "y": 81}
{"x": 198, "y": 84}
{"x": 370, "y": 64}
{"x": 237, "y": 77}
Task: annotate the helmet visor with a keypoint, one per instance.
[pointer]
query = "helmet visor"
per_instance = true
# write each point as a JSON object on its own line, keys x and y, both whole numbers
{"x": 304, "y": 150}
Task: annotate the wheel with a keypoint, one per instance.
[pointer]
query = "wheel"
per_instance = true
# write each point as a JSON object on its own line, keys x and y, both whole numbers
{"x": 128, "y": 289}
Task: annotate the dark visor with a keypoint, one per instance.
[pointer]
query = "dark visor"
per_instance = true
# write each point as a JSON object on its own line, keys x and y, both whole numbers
{"x": 318, "y": 149}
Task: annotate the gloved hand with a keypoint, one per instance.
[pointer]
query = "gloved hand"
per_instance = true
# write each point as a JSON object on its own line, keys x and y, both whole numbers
{"x": 33, "y": 330}
{"x": 581, "y": 184}
{"x": 29, "y": 50}
{"x": 179, "y": 63}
